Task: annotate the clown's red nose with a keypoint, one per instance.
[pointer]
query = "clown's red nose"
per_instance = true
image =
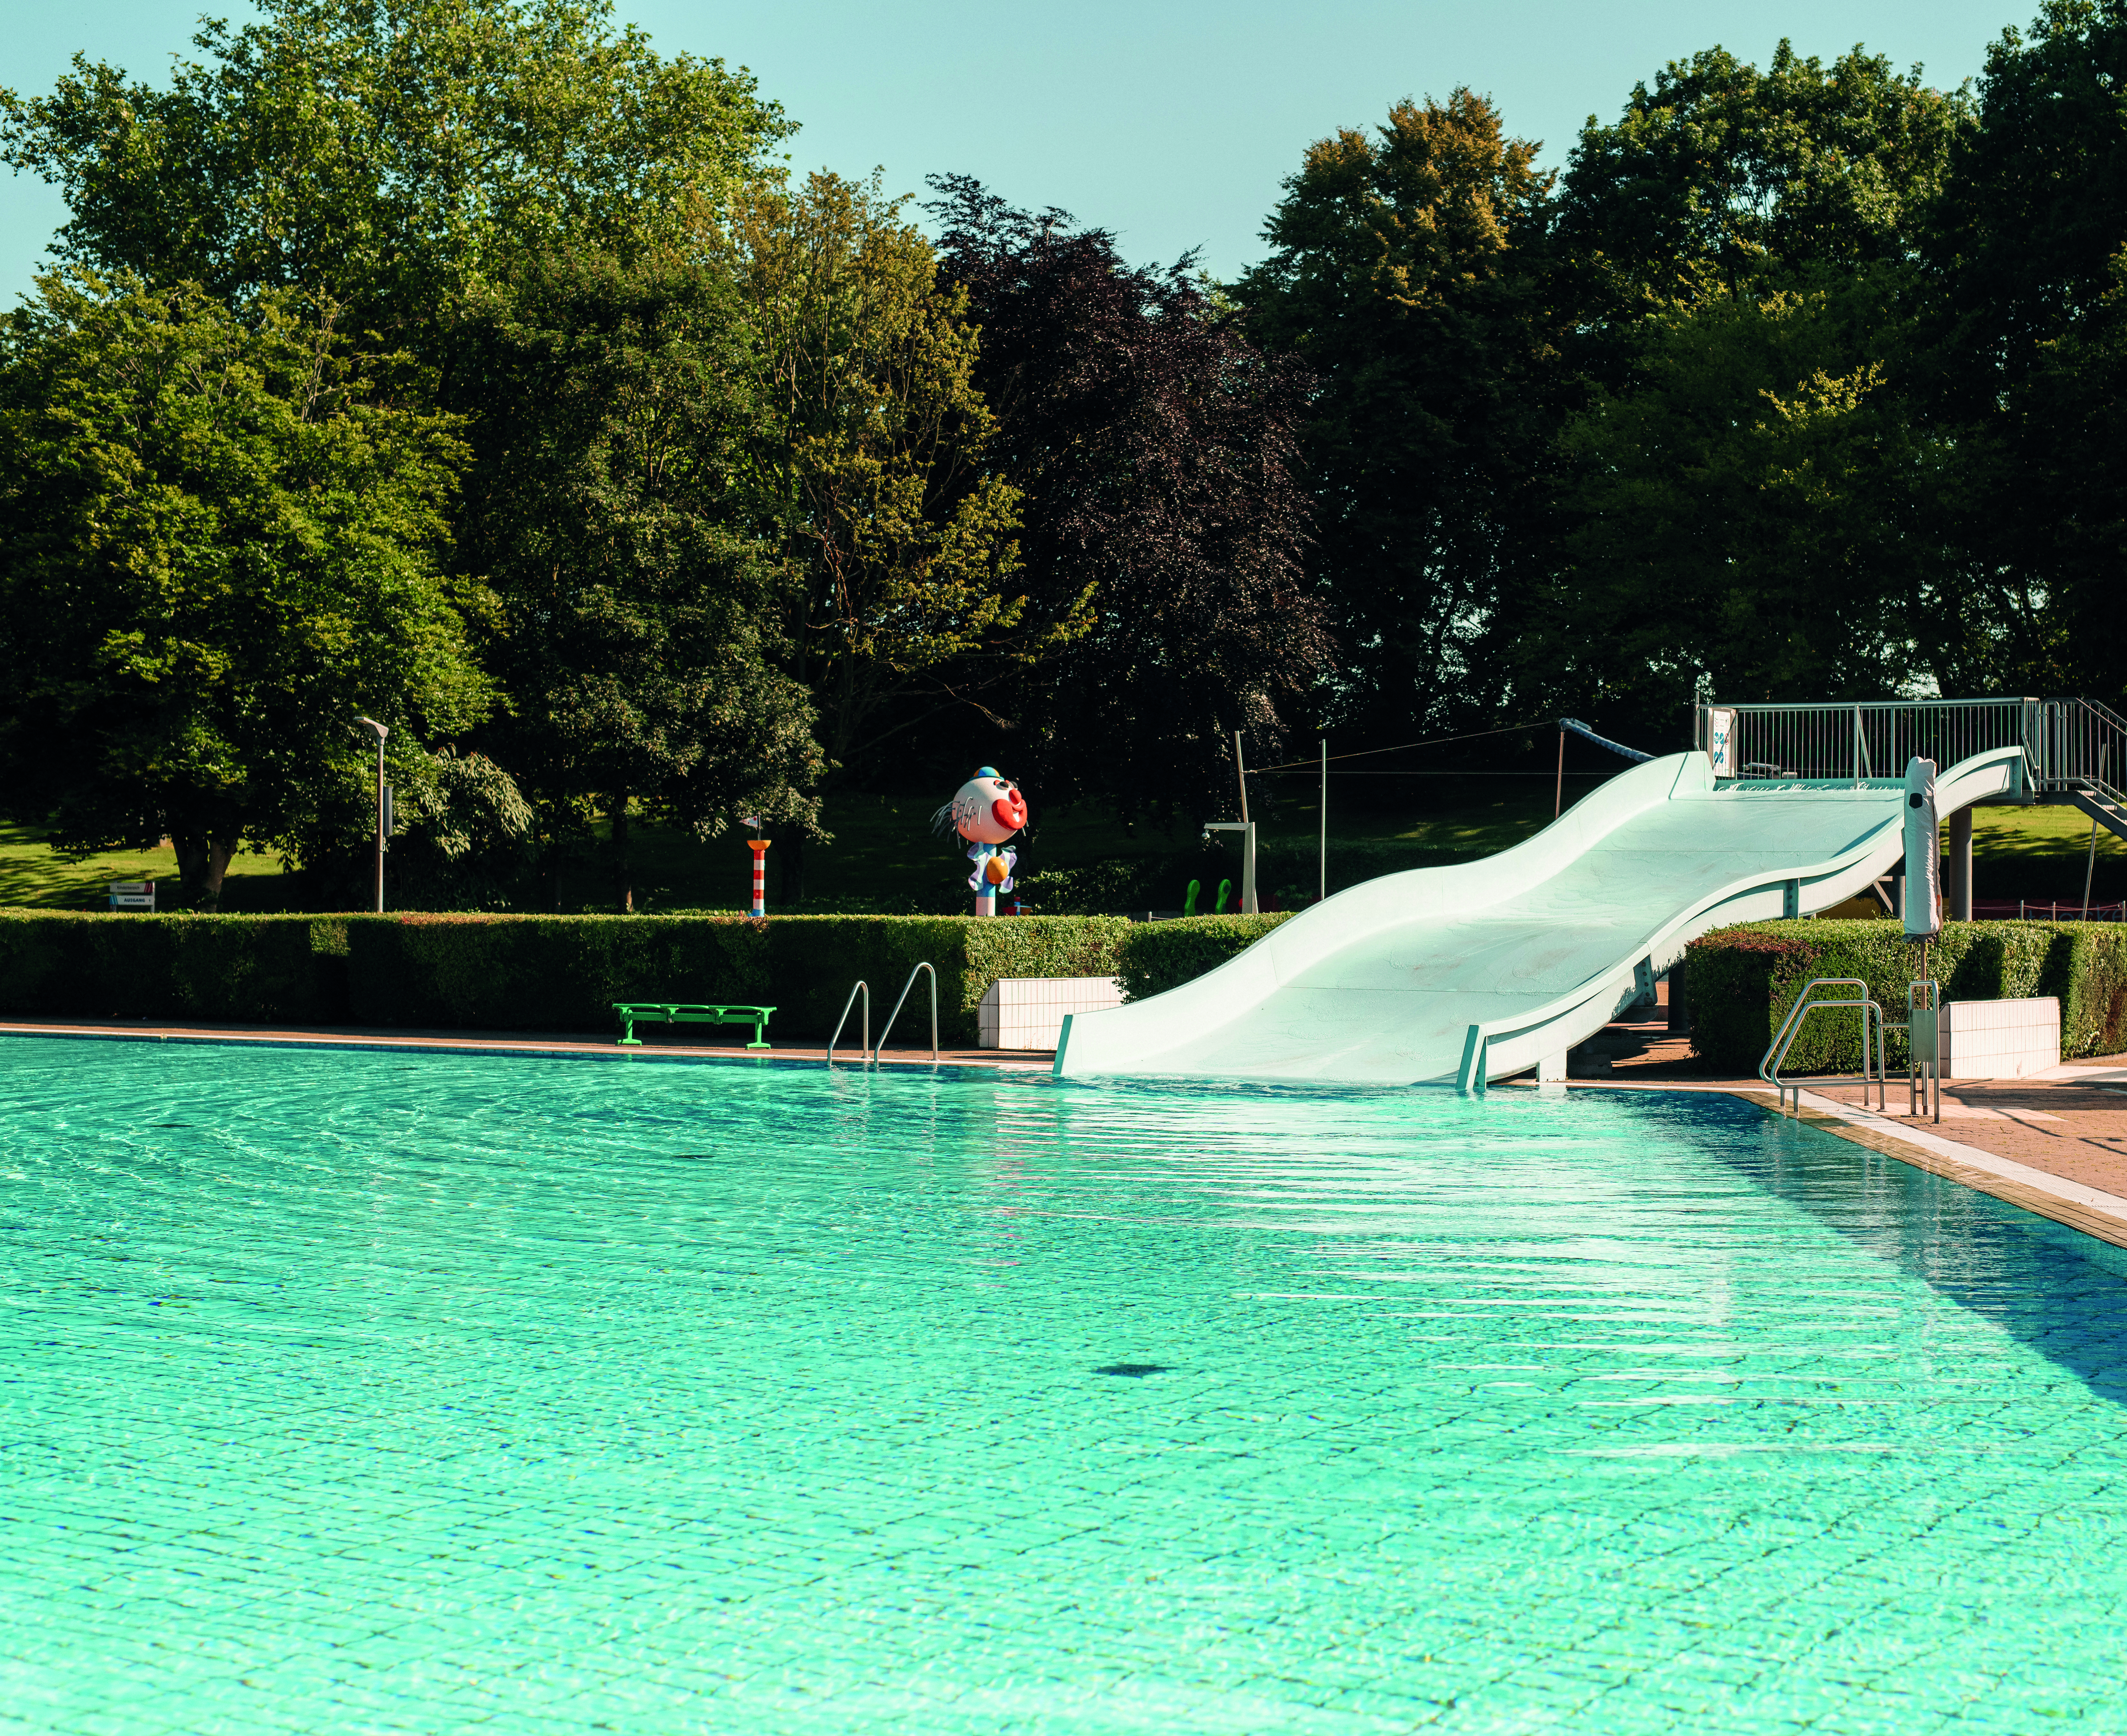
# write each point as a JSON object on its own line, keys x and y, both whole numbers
{"x": 1009, "y": 809}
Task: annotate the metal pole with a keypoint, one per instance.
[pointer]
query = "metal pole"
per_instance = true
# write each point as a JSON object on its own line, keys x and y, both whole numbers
{"x": 1322, "y": 875}
{"x": 1960, "y": 856}
{"x": 379, "y": 730}
{"x": 1241, "y": 772}
{"x": 2089, "y": 871}
{"x": 1558, "y": 791}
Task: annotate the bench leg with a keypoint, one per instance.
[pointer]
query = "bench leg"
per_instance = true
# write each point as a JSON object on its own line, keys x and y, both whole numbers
{"x": 627, "y": 1037}
{"x": 760, "y": 1035}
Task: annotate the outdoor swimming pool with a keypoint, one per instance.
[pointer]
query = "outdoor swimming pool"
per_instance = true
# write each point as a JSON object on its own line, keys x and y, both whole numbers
{"x": 350, "y": 1391}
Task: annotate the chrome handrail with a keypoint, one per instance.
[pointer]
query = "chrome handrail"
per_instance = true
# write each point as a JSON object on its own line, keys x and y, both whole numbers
{"x": 1769, "y": 1069}
{"x": 865, "y": 1047}
{"x": 1917, "y": 1077}
{"x": 896, "y": 1013}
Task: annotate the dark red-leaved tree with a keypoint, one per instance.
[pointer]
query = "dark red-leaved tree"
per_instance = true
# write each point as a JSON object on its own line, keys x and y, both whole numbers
{"x": 1158, "y": 450}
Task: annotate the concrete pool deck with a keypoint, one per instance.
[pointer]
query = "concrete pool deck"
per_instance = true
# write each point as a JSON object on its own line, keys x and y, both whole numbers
{"x": 2055, "y": 1146}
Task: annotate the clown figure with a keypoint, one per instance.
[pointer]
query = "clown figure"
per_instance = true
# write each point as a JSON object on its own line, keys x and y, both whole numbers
{"x": 986, "y": 811}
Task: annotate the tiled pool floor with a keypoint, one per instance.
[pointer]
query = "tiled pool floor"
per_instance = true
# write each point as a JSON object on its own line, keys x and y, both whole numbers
{"x": 371, "y": 1393}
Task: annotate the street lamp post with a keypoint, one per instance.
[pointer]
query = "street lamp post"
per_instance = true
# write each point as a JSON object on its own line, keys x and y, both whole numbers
{"x": 378, "y": 730}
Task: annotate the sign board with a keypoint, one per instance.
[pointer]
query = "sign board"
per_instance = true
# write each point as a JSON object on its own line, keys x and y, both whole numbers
{"x": 1721, "y": 740}
{"x": 132, "y": 895}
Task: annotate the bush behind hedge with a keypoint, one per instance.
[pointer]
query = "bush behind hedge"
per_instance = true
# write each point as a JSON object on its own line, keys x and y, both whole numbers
{"x": 1742, "y": 980}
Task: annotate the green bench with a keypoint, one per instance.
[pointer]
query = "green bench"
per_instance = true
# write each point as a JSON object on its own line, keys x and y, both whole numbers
{"x": 678, "y": 1012}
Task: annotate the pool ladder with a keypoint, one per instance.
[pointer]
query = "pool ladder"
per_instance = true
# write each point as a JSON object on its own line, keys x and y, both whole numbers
{"x": 1923, "y": 1020}
{"x": 1769, "y": 1069}
{"x": 866, "y": 1050}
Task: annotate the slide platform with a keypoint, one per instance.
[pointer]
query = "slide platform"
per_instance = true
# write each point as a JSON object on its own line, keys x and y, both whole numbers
{"x": 1485, "y": 969}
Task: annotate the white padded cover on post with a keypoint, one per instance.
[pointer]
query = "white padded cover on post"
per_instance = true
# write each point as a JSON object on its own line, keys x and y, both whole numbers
{"x": 1999, "y": 1039}
{"x": 1027, "y": 1012}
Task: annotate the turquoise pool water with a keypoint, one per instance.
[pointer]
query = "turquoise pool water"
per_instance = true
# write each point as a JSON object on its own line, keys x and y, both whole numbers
{"x": 355, "y": 1392}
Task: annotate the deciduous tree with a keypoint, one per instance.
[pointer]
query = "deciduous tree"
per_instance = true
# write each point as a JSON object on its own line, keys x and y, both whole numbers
{"x": 895, "y": 532}
{"x": 1157, "y": 448}
{"x": 216, "y": 551}
{"x": 1405, "y": 271}
{"x": 395, "y": 156}
{"x": 1749, "y": 518}
{"x": 640, "y": 624}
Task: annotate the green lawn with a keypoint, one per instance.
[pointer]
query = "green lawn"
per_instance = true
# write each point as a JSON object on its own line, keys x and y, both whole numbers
{"x": 35, "y": 874}
{"x": 884, "y": 854}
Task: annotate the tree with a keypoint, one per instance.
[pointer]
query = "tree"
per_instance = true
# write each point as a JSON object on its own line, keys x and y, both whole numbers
{"x": 1754, "y": 501}
{"x": 2036, "y": 209}
{"x": 394, "y": 156}
{"x": 639, "y": 626}
{"x": 1750, "y": 518}
{"x": 1720, "y": 172}
{"x": 214, "y": 553}
{"x": 2026, "y": 373}
{"x": 2068, "y": 423}
{"x": 895, "y": 531}
{"x": 1406, "y": 271}
{"x": 1157, "y": 450}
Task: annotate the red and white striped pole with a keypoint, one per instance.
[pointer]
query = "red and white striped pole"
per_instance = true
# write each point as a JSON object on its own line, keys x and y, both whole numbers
{"x": 759, "y": 846}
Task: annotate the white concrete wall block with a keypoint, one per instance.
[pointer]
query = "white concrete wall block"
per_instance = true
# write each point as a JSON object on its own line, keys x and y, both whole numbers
{"x": 2001, "y": 1039}
{"x": 1028, "y": 1012}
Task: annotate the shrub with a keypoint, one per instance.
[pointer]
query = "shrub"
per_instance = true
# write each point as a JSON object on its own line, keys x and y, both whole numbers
{"x": 1744, "y": 980}
{"x": 1157, "y": 955}
{"x": 111, "y": 965}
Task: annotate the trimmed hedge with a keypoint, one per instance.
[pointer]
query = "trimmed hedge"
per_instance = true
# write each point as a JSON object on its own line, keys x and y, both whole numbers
{"x": 551, "y": 973}
{"x": 255, "y": 969}
{"x": 563, "y": 973}
{"x": 1742, "y": 980}
{"x": 1157, "y": 955}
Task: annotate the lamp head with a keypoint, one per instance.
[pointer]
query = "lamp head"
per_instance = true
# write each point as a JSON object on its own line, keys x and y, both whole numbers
{"x": 374, "y": 728}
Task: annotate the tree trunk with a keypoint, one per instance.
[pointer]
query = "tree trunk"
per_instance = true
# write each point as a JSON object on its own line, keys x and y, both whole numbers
{"x": 623, "y": 888}
{"x": 789, "y": 856}
{"x": 203, "y": 862}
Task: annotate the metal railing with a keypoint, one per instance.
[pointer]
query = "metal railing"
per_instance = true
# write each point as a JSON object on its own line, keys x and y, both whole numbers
{"x": 864, "y": 1048}
{"x": 1855, "y": 742}
{"x": 1769, "y": 1069}
{"x": 2079, "y": 745}
{"x": 2067, "y": 744}
{"x": 896, "y": 1013}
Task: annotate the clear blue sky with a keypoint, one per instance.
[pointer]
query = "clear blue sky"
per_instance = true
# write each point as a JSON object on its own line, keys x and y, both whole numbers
{"x": 1169, "y": 121}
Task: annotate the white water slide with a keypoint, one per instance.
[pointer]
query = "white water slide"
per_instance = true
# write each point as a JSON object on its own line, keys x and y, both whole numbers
{"x": 1486, "y": 969}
